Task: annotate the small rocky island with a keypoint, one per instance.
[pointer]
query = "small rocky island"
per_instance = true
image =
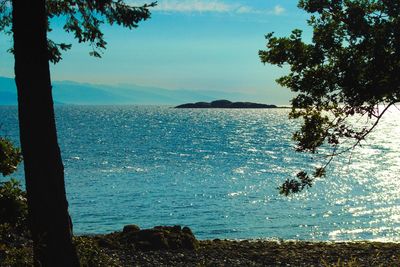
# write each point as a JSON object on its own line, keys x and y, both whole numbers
{"x": 225, "y": 104}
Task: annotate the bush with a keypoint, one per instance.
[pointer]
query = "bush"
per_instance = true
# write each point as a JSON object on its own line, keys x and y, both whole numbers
{"x": 10, "y": 157}
{"x": 15, "y": 248}
{"x": 91, "y": 254}
{"x": 16, "y": 256}
{"x": 13, "y": 204}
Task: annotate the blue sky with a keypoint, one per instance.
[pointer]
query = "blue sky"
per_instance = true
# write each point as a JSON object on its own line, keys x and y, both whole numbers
{"x": 187, "y": 44}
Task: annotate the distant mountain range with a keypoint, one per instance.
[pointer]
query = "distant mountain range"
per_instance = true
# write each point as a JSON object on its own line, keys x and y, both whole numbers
{"x": 67, "y": 92}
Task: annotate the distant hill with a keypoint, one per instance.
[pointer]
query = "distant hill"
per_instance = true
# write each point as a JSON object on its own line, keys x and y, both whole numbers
{"x": 225, "y": 104}
{"x": 67, "y": 92}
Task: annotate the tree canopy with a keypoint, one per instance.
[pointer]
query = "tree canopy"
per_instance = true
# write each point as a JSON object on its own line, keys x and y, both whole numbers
{"x": 350, "y": 68}
{"x": 83, "y": 19}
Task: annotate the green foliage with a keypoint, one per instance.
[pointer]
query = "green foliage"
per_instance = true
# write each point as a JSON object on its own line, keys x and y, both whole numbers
{"x": 353, "y": 262}
{"x": 350, "y": 68}
{"x": 296, "y": 185}
{"x": 13, "y": 203}
{"x": 15, "y": 249}
{"x": 83, "y": 19}
{"x": 10, "y": 157}
{"x": 91, "y": 255}
{"x": 16, "y": 256}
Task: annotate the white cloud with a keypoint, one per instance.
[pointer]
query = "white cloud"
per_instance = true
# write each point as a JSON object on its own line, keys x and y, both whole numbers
{"x": 244, "y": 10}
{"x": 278, "y": 10}
{"x": 216, "y": 6}
{"x": 193, "y": 6}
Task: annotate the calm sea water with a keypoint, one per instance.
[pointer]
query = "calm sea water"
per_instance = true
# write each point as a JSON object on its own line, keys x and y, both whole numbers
{"x": 217, "y": 171}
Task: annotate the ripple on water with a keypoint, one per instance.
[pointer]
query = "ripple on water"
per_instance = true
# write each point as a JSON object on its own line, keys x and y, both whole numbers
{"x": 217, "y": 171}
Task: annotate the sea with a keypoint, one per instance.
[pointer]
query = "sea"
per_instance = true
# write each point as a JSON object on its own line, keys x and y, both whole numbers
{"x": 217, "y": 171}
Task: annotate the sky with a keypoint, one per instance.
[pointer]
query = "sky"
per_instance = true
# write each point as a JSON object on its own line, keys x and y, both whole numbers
{"x": 187, "y": 44}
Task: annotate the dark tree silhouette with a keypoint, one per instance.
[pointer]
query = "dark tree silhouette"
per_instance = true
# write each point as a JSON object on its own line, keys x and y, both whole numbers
{"x": 49, "y": 221}
{"x": 350, "y": 68}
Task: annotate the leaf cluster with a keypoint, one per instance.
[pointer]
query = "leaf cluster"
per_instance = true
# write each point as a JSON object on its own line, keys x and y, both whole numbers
{"x": 10, "y": 157}
{"x": 350, "y": 68}
{"x": 83, "y": 19}
{"x": 13, "y": 204}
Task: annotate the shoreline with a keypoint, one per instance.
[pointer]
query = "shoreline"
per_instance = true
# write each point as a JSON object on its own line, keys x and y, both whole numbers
{"x": 262, "y": 239}
{"x": 255, "y": 253}
{"x": 177, "y": 246}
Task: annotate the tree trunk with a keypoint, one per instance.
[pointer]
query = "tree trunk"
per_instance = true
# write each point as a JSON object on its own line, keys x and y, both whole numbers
{"x": 49, "y": 220}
